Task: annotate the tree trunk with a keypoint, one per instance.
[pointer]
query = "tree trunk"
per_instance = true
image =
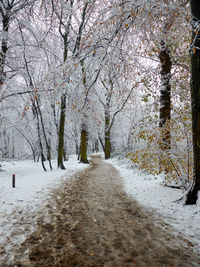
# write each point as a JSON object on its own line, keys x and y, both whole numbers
{"x": 61, "y": 132}
{"x": 40, "y": 143}
{"x": 107, "y": 136}
{"x": 48, "y": 148}
{"x": 102, "y": 144}
{"x": 65, "y": 155}
{"x": 96, "y": 146}
{"x": 93, "y": 147}
{"x": 77, "y": 149}
{"x": 165, "y": 102}
{"x": 4, "y": 47}
{"x": 83, "y": 155}
{"x": 195, "y": 100}
{"x": 107, "y": 145}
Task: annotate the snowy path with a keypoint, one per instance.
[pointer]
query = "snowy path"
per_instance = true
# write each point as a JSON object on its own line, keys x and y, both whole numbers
{"x": 90, "y": 221}
{"x": 21, "y": 207}
{"x": 151, "y": 193}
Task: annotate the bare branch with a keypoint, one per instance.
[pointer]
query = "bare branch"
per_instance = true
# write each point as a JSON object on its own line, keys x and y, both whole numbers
{"x": 21, "y": 93}
{"x": 120, "y": 109}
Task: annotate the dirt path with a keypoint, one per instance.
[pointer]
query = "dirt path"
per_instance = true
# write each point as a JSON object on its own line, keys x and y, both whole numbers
{"x": 92, "y": 222}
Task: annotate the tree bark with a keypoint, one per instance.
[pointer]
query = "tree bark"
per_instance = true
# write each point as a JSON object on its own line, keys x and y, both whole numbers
{"x": 40, "y": 143}
{"x": 4, "y": 45}
{"x": 195, "y": 100}
{"x": 83, "y": 156}
{"x": 107, "y": 135}
{"x": 63, "y": 100}
{"x": 102, "y": 144}
{"x": 48, "y": 148}
{"x": 61, "y": 132}
{"x": 165, "y": 101}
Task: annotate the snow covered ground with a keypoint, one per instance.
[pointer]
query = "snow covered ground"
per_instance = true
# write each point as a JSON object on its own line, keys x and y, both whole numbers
{"x": 150, "y": 192}
{"x": 19, "y": 206}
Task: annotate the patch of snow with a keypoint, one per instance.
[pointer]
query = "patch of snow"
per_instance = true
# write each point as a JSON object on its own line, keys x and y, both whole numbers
{"x": 19, "y": 206}
{"x": 151, "y": 193}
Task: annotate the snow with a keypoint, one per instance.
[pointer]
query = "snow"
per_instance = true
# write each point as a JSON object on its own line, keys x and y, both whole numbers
{"x": 19, "y": 206}
{"x": 151, "y": 193}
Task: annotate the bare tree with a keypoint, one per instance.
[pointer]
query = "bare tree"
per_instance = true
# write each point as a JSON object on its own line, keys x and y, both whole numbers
{"x": 8, "y": 12}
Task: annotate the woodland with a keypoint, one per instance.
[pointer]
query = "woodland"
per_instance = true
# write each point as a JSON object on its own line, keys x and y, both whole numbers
{"x": 122, "y": 77}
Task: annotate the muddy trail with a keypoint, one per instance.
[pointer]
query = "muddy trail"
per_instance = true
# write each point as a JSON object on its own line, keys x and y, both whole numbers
{"x": 90, "y": 221}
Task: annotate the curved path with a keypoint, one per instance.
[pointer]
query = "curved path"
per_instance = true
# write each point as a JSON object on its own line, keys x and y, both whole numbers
{"x": 90, "y": 221}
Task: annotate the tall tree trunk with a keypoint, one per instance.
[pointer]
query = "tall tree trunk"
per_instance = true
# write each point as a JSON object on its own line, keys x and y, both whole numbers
{"x": 107, "y": 135}
{"x": 195, "y": 99}
{"x": 61, "y": 132}
{"x": 44, "y": 133}
{"x": 75, "y": 49}
{"x": 84, "y": 134}
{"x": 83, "y": 155}
{"x": 165, "y": 102}
{"x": 4, "y": 46}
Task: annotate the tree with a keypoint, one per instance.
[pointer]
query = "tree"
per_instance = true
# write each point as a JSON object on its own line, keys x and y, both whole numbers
{"x": 73, "y": 48}
{"x": 195, "y": 100}
{"x": 71, "y": 30}
{"x": 9, "y": 13}
{"x": 161, "y": 46}
{"x": 165, "y": 95}
{"x": 114, "y": 94}
{"x": 84, "y": 130}
{"x": 65, "y": 35}
{"x": 84, "y": 141}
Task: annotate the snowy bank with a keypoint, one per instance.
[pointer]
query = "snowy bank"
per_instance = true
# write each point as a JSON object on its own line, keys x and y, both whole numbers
{"x": 151, "y": 193}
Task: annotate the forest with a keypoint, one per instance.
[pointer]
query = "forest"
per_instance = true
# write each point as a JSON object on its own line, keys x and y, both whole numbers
{"x": 99, "y": 133}
{"x": 82, "y": 76}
